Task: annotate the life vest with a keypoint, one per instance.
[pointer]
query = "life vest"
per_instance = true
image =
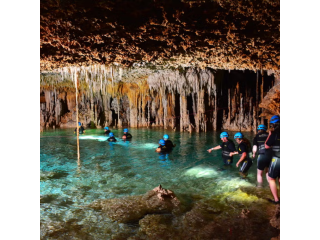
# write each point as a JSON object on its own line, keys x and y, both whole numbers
{"x": 225, "y": 150}
{"x": 276, "y": 145}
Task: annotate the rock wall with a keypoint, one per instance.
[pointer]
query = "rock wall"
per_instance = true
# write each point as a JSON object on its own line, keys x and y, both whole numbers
{"x": 188, "y": 99}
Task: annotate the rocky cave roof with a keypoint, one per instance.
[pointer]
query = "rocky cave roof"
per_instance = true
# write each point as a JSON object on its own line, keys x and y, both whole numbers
{"x": 221, "y": 34}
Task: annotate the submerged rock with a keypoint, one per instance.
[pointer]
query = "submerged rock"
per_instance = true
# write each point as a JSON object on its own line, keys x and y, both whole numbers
{"x": 133, "y": 208}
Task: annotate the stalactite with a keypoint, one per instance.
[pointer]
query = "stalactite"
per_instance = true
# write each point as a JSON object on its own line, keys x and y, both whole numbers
{"x": 151, "y": 91}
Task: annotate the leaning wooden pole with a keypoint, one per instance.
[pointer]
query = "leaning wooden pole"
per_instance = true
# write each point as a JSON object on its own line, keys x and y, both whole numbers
{"x": 77, "y": 111}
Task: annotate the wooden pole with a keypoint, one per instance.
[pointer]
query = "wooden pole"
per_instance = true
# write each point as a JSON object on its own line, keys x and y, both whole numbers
{"x": 77, "y": 111}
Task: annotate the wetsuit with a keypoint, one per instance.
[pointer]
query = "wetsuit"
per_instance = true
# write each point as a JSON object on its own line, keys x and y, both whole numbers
{"x": 264, "y": 155}
{"x": 107, "y": 132}
{"x": 128, "y": 135}
{"x": 227, "y": 148}
{"x": 81, "y": 129}
{"x": 164, "y": 149}
{"x": 274, "y": 141}
{"x": 169, "y": 145}
{"x": 247, "y": 162}
{"x": 112, "y": 139}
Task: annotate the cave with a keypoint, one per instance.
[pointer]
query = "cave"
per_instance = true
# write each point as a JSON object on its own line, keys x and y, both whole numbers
{"x": 190, "y": 69}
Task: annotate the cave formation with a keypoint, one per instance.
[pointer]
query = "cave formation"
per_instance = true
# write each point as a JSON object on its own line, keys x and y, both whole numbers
{"x": 186, "y": 65}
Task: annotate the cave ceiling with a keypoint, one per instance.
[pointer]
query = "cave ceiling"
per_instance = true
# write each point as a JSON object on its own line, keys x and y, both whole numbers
{"x": 217, "y": 34}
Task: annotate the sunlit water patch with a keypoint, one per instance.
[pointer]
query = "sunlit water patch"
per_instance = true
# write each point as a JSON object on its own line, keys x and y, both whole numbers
{"x": 124, "y": 168}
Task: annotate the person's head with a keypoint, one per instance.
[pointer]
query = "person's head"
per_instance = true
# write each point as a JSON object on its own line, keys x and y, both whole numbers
{"x": 162, "y": 142}
{"x": 106, "y": 128}
{"x": 79, "y": 123}
{"x": 238, "y": 137}
{"x": 125, "y": 130}
{"x": 166, "y": 137}
{"x": 224, "y": 136}
{"x": 262, "y": 128}
{"x": 111, "y": 135}
{"x": 275, "y": 121}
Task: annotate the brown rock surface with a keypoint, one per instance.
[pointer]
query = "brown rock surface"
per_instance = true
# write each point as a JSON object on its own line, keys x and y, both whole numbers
{"x": 222, "y": 34}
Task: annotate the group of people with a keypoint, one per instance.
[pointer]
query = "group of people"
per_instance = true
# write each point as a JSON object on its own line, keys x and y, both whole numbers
{"x": 126, "y": 135}
{"x": 265, "y": 145}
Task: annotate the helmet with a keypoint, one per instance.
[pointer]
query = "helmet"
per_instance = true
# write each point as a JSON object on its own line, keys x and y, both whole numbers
{"x": 111, "y": 135}
{"x": 166, "y": 136}
{"x": 238, "y": 135}
{"x": 162, "y": 142}
{"x": 106, "y": 128}
{"x": 275, "y": 119}
{"x": 125, "y": 130}
{"x": 262, "y": 127}
{"x": 79, "y": 123}
{"x": 224, "y": 134}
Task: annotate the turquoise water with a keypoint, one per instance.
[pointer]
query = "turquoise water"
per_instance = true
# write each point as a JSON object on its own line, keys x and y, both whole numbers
{"x": 113, "y": 170}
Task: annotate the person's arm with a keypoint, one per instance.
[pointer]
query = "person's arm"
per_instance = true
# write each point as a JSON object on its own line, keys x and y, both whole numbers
{"x": 243, "y": 156}
{"x": 269, "y": 142}
{"x": 254, "y": 150}
{"x": 215, "y": 148}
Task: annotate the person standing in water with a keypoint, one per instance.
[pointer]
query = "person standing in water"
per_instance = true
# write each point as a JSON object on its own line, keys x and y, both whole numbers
{"x": 264, "y": 155}
{"x": 106, "y": 131}
{"x": 162, "y": 146}
{"x": 81, "y": 129}
{"x": 243, "y": 150}
{"x": 227, "y": 147}
{"x": 169, "y": 145}
{"x": 273, "y": 142}
{"x": 111, "y": 138}
{"x": 126, "y": 134}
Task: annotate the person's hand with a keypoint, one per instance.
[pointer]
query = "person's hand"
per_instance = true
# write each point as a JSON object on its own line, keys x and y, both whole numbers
{"x": 158, "y": 150}
{"x": 124, "y": 137}
{"x": 253, "y": 155}
{"x": 231, "y": 154}
{"x": 209, "y": 150}
{"x": 237, "y": 165}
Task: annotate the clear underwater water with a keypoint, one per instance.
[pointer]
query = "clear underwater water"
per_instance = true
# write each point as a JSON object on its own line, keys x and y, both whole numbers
{"x": 113, "y": 170}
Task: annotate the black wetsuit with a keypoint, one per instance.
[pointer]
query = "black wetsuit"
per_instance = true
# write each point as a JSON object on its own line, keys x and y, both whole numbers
{"x": 112, "y": 139}
{"x": 107, "y": 132}
{"x": 247, "y": 162}
{"x": 164, "y": 149}
{"x": 169, "y": 145}
{"x": 128, "y": 135}
{"x": 264, "y": 155}
{"x": 274, "y": 141}
{"x": 81, "y": 129}
{"x": 227, "y": 148}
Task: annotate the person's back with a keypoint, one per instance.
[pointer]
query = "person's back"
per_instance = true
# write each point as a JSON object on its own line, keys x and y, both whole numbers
{"x": 81, "y": 129}
{"x": 169, "y": 145}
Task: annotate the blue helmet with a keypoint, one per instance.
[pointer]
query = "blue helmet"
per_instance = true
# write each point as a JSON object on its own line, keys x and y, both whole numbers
{"x": 238, "y": 135}
{"x": 111, "y": 135}
{"x": 125, "y": 130}
{"x": 106, "y": 128}
{"x": 162, "y": 142}
{"x": 224, "y": 134}
{"x": 262, "y": 127}
{"x": 275, "y": 119}
{"x": 166, "y": 136}
{"x": 79, "y": 123}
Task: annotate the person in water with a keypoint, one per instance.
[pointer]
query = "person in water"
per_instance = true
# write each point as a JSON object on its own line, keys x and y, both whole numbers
{"x": 81, "y": 129}
{"x": 162, "y": 147}
{"x": 169, "y": 145}
{"x": 227, "y": 147}
{"x": 111, "y": 138}
{"x": 126, "y": 134}
{"x": 273, "y": 142}
{"x": 243, "y": 150}
{"x": 264, "y": 155}
{"x": 106, "y": 131}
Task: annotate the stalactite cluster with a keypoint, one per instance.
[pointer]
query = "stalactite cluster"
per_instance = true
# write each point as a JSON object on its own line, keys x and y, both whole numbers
{"x": 189, "y": 99}
{"x": 220, "y": 34}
